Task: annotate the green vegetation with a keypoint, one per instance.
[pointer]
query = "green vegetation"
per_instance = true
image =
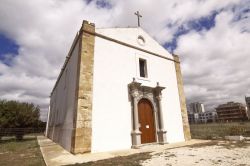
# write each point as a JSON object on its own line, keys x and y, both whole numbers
{"x": 16, "y": 153}
{"x": 16, "y": 116}
{"x": 219, "y": 130}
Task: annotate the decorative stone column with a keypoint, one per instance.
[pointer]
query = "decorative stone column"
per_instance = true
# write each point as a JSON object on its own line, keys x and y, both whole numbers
{"x": 161, "y": 132}
{"x": 137, "y": 92}
{"x": 136, "y": 134}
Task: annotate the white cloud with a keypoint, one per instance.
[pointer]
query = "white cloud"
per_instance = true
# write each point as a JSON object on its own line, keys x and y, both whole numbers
{"x": 216, "y": 62}
{"x": 44, "y": 30}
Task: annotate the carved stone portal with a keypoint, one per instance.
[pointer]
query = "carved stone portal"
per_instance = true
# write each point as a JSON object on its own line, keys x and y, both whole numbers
{"x": 154, "y": 95}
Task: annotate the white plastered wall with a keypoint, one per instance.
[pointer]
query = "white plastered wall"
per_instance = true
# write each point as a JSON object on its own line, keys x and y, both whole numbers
{"x": 115, "y": 66}
{"x": 62, "y": 103}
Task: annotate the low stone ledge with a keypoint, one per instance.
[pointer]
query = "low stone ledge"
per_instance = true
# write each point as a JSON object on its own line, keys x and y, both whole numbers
{"x": 235, "y": 138}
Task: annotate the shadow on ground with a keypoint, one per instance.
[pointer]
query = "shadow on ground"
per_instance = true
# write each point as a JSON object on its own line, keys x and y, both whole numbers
{"x": 131, "y": 160}
{"x": 137, "y": 159}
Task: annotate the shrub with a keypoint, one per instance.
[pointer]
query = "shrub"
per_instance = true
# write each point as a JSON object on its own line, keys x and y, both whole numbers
{"x": 14, "y": 115}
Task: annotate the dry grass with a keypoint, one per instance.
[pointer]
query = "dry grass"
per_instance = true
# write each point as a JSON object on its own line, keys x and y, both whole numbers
{"x": 219, "y": 130}
{"x": 16, "y": 153}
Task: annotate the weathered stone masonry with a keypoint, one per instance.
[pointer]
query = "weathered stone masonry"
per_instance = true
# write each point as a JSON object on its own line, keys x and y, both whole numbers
{"x": 82, "y": 133}
{"x": 184, "y": 115}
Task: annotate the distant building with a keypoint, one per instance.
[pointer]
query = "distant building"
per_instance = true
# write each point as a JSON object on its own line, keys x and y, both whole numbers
{"x": 203, "y": 117}
{"x": 248, "y": 106}
{"x": 206, "y": 117}
{"x": 191, "y": 118}
{"x": 196, "y": 107}
{"x": 231, "y": 111}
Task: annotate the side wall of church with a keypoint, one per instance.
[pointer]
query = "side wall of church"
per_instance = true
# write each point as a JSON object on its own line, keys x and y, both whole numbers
{"x": 62, "y": 103}
{"x": 115, "y": 66}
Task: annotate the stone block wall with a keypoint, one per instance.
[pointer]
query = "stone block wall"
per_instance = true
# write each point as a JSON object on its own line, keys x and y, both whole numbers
{"x": 184, "y": 114}
{"x": 81, "y": 139}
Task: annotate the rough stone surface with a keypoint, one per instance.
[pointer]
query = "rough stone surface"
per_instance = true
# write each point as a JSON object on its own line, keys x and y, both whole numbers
{"x": 184, "y": 115}
{"x": 83, "y": 130}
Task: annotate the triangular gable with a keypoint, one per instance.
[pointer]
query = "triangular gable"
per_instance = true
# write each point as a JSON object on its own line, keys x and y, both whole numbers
{"x": 130, "y": 36}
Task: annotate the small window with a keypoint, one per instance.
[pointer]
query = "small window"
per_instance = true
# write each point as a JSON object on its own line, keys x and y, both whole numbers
{"x": 141, "y": 40}
{"x": 143, "y": 68}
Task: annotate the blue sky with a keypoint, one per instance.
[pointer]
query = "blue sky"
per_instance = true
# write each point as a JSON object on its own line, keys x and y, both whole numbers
{"x": 8, "y": 49}
{"x": 7, "y": 45}
{"x": 200, "y": 24}
{"x": 211, "y": 37}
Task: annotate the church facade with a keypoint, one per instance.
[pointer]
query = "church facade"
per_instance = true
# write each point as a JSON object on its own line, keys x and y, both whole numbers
{"x": 117, "y": 89}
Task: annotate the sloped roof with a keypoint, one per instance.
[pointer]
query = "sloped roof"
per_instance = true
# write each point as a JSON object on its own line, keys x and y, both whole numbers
{"x": 131, "y": 35}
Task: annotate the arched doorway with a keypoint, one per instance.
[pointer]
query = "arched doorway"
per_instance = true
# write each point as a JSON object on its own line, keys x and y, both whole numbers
{"x": 146, "y": 120}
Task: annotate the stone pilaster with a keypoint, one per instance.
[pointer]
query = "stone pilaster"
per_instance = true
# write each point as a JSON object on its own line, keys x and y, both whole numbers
{"x": 82, "y": 133}
{"x": 182, "y": 98}
{"x": 136, "y": 134}
{"x": 161, "y": 132}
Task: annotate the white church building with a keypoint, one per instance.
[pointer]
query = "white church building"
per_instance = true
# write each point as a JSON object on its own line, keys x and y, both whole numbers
{"x": 118, "y": 89}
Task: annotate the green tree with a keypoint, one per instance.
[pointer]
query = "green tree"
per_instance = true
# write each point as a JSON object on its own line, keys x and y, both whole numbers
{"x": 14, "y": 114}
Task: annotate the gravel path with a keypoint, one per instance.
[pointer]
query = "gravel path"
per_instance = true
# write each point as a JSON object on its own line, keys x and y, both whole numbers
{"x": 222, "y": 153}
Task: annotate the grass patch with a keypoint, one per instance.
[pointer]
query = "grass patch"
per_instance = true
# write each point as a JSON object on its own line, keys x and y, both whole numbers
{"x": 219, "y": 130}
{"x": 16, "y": 153}
{"x": 131, "y": 160}
{"x": 222, "y": 144}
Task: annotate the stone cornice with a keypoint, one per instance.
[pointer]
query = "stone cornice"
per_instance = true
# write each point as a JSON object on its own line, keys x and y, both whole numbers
{"x": 128, "y": 45}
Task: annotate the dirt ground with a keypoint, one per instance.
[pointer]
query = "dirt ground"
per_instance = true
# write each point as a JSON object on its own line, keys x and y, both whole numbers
{"x": 224, "y": 153}
{"x": 218, "y": 153}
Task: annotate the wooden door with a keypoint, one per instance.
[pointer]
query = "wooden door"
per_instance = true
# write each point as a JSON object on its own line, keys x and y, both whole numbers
{"x": 146, "y": 120}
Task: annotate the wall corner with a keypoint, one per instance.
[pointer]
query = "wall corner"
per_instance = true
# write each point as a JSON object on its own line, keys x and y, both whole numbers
{"x": 182, "y": 98}
{"x": 82, "y": 125}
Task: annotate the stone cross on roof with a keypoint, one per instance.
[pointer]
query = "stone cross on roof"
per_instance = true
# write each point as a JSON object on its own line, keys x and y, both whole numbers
{"x": 138, "y": 16}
